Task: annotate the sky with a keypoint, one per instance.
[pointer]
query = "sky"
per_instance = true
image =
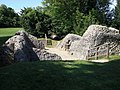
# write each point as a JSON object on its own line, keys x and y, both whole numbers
{"x": 113, "y": 4}
{"x": 110, "y": 10}
{"x": 17, "y": 5}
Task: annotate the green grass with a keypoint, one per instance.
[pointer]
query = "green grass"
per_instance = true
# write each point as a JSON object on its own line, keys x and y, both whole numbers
{"x": 6, "y": 33}
{"x": 61, "y": 75}
{"x": 114, "y": 57}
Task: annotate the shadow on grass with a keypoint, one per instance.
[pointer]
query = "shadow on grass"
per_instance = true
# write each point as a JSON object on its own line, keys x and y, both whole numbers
{"x": 60, "y": 75}
{"x": 3, "y": 39}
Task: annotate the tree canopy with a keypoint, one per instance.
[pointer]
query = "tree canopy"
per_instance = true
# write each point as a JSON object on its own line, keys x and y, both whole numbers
{"x": 60, "y": 17}
{"x": 74, "y": 16}
{"x": 36, "y": 22}
{"x": 8, "y": 17}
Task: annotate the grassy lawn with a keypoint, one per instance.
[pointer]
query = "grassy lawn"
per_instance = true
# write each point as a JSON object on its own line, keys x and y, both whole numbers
{"x": 6, "y": 33}
{"x": 61, "y": 75}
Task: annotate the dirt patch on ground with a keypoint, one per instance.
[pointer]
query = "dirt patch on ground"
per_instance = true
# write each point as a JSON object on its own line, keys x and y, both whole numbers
{"x": 100, "y": 61}
{"x": 63, "y": 54}
{"x": 66, "y": 56}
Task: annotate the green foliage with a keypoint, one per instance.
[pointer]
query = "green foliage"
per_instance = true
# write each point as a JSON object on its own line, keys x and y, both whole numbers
{"x": 8, "y": 17}
{"x": 36, "y": 22}
{"x": 100, "y": 15}
{"x": 73, "y": 16}
{"x": 82, "y": 21}
{"x": 59, "y": 17}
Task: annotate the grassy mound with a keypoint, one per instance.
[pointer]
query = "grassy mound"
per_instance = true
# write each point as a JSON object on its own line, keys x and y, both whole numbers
{"x": 61, "y": 75}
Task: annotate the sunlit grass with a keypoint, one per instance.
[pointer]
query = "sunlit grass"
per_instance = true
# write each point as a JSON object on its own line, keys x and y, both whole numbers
{"x": 6, "y": 33}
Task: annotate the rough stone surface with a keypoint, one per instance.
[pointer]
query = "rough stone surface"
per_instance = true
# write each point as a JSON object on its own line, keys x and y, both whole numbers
{"x": 44, "y": 55}
{"x": 79, "y": 49}
{"x": 68, "y": 41}
{"x": 25, "y": 47}
{"x": 94, "y": 36}
{"x": 6, "y": 56}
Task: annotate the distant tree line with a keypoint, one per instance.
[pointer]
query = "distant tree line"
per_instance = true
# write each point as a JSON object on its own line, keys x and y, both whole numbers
{"x": 8, "y": 17}
{"x": 60, "y": 17}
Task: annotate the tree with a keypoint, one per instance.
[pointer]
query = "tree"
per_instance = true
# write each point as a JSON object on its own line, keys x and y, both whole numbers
{"x": 65, "y": 16}
{"x": 36, "y": 22}
{"x": 82, "y": 21}
{"x": 114, "y": 22}
{"x": 8, "y": 17}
